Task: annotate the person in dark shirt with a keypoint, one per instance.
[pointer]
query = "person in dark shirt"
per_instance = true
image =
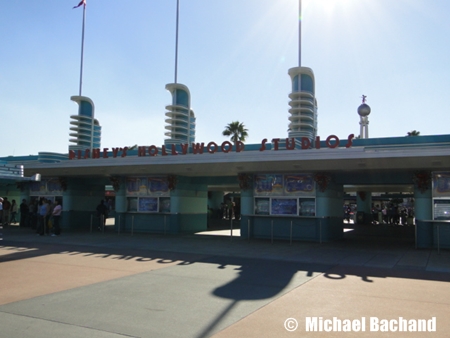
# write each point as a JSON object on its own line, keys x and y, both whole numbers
{"x": 102, "y": 212}
{"x": 23, "y": 209}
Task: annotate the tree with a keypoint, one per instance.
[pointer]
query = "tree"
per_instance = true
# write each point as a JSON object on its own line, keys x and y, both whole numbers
{"x": 413, "y": 133}
{"x": 236, "y": 130}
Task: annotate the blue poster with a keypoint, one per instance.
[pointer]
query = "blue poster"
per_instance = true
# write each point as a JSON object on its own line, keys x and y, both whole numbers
{"x": 268, "y": 184}
{"x": 160, "y": 185}
{"x": 137, "y": 186}
{"x": 441, "y": 185}
{"x": 148, "y": 204}
{"x": 299, "y": 184}
{"x": 284, "y": 206}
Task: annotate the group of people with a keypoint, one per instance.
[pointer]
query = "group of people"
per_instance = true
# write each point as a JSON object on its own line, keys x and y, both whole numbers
{"x": 49, "y": 215}
{"x": 230, "y": 210}
{"x": 395, "y": 215}
{"x": 44, "y": 216}
{"x": 389, "y": 213}
{"x": 8, "y": 211}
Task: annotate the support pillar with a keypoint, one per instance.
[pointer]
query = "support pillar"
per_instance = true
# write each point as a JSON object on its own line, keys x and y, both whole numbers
{"x": 363, "y": 207}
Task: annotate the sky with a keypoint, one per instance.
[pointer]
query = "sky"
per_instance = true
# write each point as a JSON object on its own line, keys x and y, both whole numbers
{"x": 233, "y": 55}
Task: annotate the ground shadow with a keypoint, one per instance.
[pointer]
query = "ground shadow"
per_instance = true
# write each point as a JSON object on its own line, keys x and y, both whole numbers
{"x": 257, "y": 278}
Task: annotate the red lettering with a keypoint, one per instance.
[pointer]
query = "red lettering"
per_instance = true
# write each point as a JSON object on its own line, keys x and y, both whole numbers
{"x": 141, "y": 151}
{"x": 96, "y": 153}
{"x": 184, "y": 148}
{"x": 290, "y": 146}
{"x": 336, "y": 143}
{"x": 174, "y": 150}
{"x": 226, "y": 147}
{"x": 212, "y": 147}
{"x": 275, "y": 142}
{"x": 332, "y": 142}
{"x": 239, "y": 146}
{"x": 163, "y": 151}
{"x": 306, "y": 143}
{"x": 124, "y": 151}
{"x": 197, "y": 148}
{"x": 350, "y": 140}
{"x": 317, "y": 142}
{"x": 263, "y": 145}
{"x": 153, "y": 151}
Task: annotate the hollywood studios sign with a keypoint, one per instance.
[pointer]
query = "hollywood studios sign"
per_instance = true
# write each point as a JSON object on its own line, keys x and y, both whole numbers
{"x": 331, "y": 141}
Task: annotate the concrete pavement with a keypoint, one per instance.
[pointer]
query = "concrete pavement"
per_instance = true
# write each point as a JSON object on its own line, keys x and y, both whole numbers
{"x": 109, "y": 285}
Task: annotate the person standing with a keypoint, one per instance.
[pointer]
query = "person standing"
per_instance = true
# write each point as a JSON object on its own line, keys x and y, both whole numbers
{"x": 102, "y": 213}
{"x": 33, "y": 214}
{"x": 13, "y": 212}
{"x": 6, "y": 211}
{"x": 23, "y": 209}
{"x": 42, "y": 217}
{"x": 56, "y": 214}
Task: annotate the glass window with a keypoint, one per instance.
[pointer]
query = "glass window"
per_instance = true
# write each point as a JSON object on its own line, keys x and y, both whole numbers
{"x": 441, "y": 209}
{"x": 148, "y": 204}
{"x": 307, "y": 84}
{"x": 284, "y": 206}
{"x": 295, "y": 84}
{"x": 164, "y": 204}
{"x": 182, "y": 98}
{"x": 262, "y": 206}
{"x": 132, "y": 204}
{"x": 307, "y": 207}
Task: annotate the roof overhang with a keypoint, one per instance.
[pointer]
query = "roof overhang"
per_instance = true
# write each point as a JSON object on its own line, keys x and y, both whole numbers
{"x": 270, "y": 161}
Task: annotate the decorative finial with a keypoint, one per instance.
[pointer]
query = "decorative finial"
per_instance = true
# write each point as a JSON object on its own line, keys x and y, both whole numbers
{"x": 364, "y": 98}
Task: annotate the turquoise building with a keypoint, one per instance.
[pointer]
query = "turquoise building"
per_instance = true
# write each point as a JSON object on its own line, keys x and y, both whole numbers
{"x": 292, "y": 187}
{"x": 303, "y": 111}
{"x": 180, "y": 117}
{"x": 85, "y": 129}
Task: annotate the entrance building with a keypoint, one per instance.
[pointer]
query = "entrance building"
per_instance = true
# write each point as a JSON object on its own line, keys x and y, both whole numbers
{"x": 286, "y": 189}
{"x": 291, "y": 188}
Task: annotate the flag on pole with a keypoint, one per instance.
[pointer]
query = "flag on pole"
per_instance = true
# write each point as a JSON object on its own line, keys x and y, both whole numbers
{"x": 82, "y": 2}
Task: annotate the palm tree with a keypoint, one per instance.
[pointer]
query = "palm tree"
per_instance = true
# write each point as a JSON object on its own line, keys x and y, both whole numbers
{"x": 413, "y": 133}
{"x": 237, "y": 131}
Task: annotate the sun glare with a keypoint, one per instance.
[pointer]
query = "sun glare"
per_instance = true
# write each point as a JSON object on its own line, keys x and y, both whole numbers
{"x": 329, "y": 7}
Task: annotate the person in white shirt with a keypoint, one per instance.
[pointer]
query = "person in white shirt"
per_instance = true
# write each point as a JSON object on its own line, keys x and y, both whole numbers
{"x": 56, "y": 214}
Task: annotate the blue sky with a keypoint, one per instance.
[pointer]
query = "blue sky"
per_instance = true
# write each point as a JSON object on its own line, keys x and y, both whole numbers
{"x": 234, "y": 56}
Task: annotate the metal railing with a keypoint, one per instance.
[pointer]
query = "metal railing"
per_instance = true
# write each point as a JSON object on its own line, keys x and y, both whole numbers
{"x": 438, "y": 224}
{"x": 291, "y": 225}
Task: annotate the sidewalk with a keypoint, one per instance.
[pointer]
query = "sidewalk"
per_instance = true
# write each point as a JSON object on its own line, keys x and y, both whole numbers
{"x": 350, "y": 251}
{"x": 109, "y": 285}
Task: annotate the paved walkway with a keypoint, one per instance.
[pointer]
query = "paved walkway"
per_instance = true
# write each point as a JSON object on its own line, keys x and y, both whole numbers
{"x": 110, "y": 285}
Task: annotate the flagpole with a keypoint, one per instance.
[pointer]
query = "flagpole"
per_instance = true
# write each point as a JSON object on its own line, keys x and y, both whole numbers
{"x": 299, "y": 33}
{"x": 176, "y": 41}
{"x": 82, "y": 48}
